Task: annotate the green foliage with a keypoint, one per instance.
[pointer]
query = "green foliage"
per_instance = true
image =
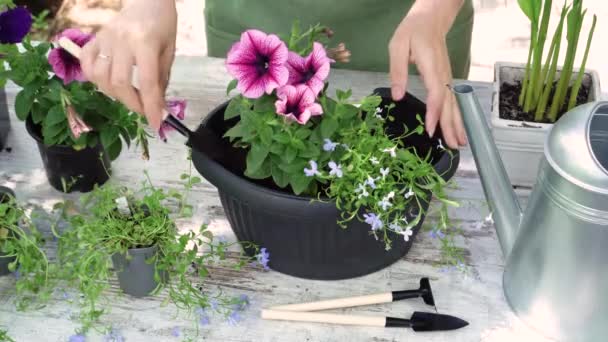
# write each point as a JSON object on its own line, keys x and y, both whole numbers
{"x": 101, "y": 227}
{"x": 46, "y": 100}
{"x": 4, "y": 336}
{"x": 20, "y": 239}
{"x": 539, "y": 77}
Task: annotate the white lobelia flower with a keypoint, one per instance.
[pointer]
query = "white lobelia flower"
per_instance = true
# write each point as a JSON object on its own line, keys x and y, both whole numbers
{"x": 371, "y": 181}
{"x": 313, "y": 169}
{"x": 384, "y": 172}
{"x": 374, "y": 160}
{"x": 440, "y": 145}
{"x": 395, "y": 227}
{"x": 409, "y": 194}
{"x": 406, "y": 234}
{"x": 390, "y": 195}
{"x": 391, "y": 151}
{"x": 361, "y": 189}
{"x": 329, "y": 145}
{"x": 335, "y": 169}
{"x": 385, "y": 203}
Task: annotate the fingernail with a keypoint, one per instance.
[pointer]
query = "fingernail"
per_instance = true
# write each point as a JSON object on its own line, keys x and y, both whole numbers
{"x": 430, "y": 131}
{"x": 397, "y": 93}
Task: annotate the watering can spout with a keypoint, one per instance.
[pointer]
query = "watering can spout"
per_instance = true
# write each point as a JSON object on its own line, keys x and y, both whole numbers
{"x": 503, "y": 203}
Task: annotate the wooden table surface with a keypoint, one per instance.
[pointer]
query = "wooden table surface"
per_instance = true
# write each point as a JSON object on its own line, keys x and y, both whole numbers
{"x": 475, "y": 296}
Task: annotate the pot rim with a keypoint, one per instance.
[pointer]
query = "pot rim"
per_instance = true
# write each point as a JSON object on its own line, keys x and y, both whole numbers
{"x": 444, "y": 166}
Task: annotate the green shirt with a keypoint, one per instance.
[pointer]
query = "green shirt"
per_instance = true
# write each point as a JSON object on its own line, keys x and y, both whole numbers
{"x": 364, "y": 26}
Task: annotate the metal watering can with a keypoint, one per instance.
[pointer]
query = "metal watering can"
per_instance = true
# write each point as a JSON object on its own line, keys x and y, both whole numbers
{"x": 556, "y": 251}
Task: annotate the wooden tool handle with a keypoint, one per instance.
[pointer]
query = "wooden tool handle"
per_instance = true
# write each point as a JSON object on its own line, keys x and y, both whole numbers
{"x": 337, "y": 303}
{"x": 372, "y": 321}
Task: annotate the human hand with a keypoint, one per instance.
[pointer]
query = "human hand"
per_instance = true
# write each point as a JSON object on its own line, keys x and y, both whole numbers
{"x": 420, "y": 39}
{"x": 142, "y": 34}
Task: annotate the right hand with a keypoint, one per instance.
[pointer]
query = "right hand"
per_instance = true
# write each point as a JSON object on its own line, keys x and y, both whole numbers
{"x": 142, "y": 34}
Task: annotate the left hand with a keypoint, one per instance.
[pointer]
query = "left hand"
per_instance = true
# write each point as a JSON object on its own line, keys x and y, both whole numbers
{"x": 420, "y": 39}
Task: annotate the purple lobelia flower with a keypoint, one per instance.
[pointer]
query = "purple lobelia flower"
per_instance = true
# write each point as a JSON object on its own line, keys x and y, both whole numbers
{"x": 297, "y": 103}
{"x": 311, "y": 70}
{"x": 77, "y": 338}
{"x": 176, "y": 331}
{"x": 66, "y": 66}
{"x": 15, "y": 24}
{"x": 257, "y": 61}
{"x": 263, "y": 258}
{"x": 177, "y": 108}
{"x": 373, "y": 220}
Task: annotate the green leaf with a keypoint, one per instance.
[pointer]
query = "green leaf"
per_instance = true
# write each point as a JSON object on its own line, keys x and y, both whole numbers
{"x": 23, "y": 103}
{"x": 277, "y": 149}
{"x": 262, "y": 172}
{"x": 303, "y": 133}
{"x": 265, "y": 133}
{"x": 234, "y": 108}
{"x": 264, "y": 104}
{"x": 37, "y": 113}
{"x": 328, "y": 127}
{"x": 282, "y": 137}
{"x": 279, "y": 177}
{"x": 531, "y": 9}
{"x": 114, "y": 149}
{"x": 256, "y": 157}
{"x": 54, "y": 130}
{"x": 55, "y": 116}
{"x": 299, "y": 183}
{"x": 109, "y": 136}
{"x": 290, "y": 154}
{"x": 235, "y": 132}
{"x": 231, "y": 86}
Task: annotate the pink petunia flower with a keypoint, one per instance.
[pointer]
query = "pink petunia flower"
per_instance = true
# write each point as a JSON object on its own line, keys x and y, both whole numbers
{"x": 297, "y": 103}
{"x": 257, "y": 61}
{"x": 311, "y": 70}
{"x": 176, "y": 108}
{"x": 66, "y": 66}
{"x": 77, "y": 125}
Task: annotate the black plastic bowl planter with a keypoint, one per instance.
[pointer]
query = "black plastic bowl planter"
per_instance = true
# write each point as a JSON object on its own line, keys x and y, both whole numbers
{"x": 136, "y": 272}
{"x": 68, "y": 169}
{"x": 5, "y": 196}
{"x": 302, "y": 235}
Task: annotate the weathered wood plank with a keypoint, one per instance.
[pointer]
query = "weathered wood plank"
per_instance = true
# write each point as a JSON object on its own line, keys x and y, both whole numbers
{"x": 476, "y": 296}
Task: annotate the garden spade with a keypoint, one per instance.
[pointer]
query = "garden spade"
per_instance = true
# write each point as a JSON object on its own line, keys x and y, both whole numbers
{"x": 203, "y": 140}
{"x": 419, "y": 321}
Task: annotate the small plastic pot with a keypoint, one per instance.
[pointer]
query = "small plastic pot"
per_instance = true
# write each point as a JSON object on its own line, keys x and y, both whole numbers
{"x": 5, "y": 196}
{"x": 136, "y": 274}
{"x": 79, "y": 170}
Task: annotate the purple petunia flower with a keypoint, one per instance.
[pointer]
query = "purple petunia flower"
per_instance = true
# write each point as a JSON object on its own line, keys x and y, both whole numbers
{"x": 177, "y": 108}
{"x": 15, "y": 24}
{"x": 310, "y": 71}
{"x": 373, "y": 220}
{"x": 77, "y": 338}
{"x": 66, "y": 66}
{"x": 257, "y": 61}
{"x": 297, "y": 103}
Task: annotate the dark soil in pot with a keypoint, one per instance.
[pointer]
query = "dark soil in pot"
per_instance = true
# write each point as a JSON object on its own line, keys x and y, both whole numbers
{"x": 136, "y": 273}
{"x": 509, "y": 108}
{"x": 78, "y": 170}
{"x": 5, "y": 196}
{"x": 303, "y": 237}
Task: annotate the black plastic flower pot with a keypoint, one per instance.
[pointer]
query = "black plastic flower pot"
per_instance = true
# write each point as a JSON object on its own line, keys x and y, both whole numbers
{"x": 5, "y": 196}
{"x": 5, "y": 121}
{"x": 136, "y": 272}
{"x": 70, "y": 170}
{"x": 302, "y": 236}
